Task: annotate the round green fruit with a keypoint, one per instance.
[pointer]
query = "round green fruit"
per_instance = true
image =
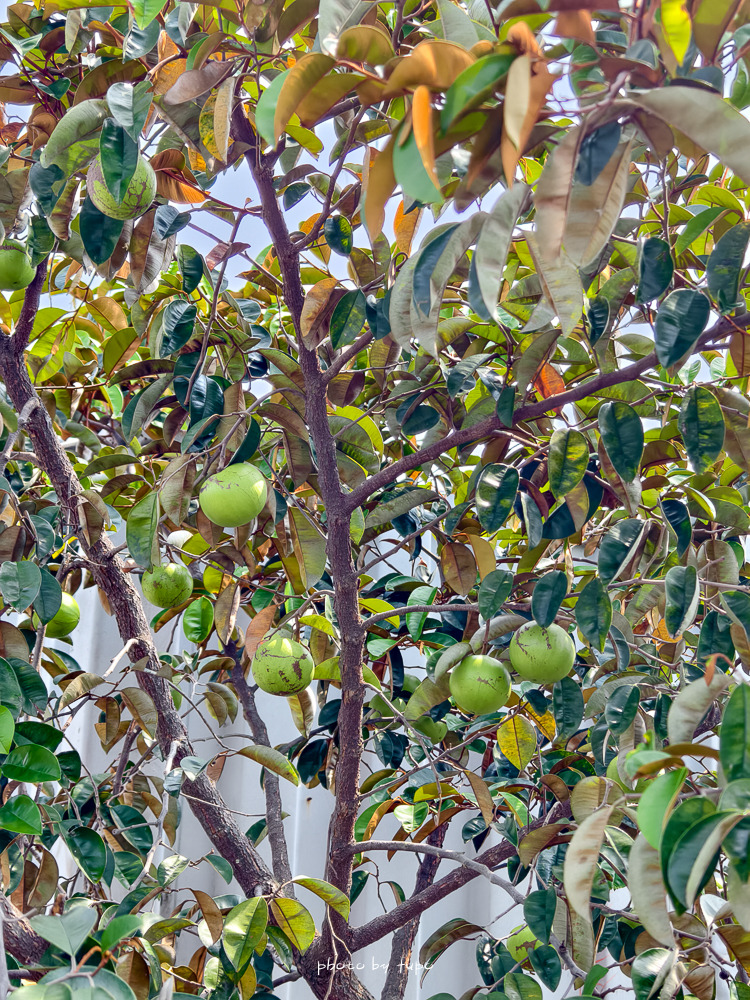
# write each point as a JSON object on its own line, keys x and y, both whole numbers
{"x": 138, "y": 197}
{"x": 480, "y": 685}
{"x": 282, "y": 666}
{"x": 167, "y": 586}
{"x": 16, "y": 270}
{"x": 234, "y": 496}
{"x": 434, "y": 731}
{"x": 64, "y": 621}
{"x": 542, "y": 655}
{"x": 520, "y": 943}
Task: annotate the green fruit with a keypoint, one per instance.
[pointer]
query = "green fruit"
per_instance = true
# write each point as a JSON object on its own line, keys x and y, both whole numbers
{"x": 380, "y": 705}
{"x": 520, "y": 943}
{"x": 15, "y": 267}
{"x": 542, "y": 655}
{"x": 234, "y": 496}
{"x": 282, "y": 666}
{"x": 138, "y": 197}
{"x": 64, "y": 621}
{"x": 479, "y": 685}
{"x": 167, "y": 586}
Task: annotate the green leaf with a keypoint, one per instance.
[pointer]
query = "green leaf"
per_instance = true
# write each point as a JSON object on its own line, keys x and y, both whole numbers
{"x": 656, "y": 803}
{"x": 244, "y": 926}
{"x": 616, "y": 548}
{"x": 49, "y": 599}
{"x": 89, "y": 851}
{"x": 678, "y": 519}
{"x": 265, "y": 111}
{"x": 694, "y": 855}
{"x": 496, "y": 493}
{"x": 494, "y": 591}
{"x": 178, "y": 326}
{"x": 68, "y": 931}
{"x": 701, "y": 424}
{"x": 31, "y": 763}
{"x": 734, "y": 737}
{"x": 597, "y": 315}
{"x": 517, "y": 986}
{"x": 725, "y": 265}
{"x": 7, "y": 729}
{"x": 145, "y": 11}
{"x": 411, "y": 174}
{"x": 473, "y": 86}
{"x": 19, "y": 583}
{"x": 539, "y": 912}
{"x": 594, "y": 613}
{"x": 595, "y": 152}
{"x": 273, "y": 760}
{"x": 622, "y": 434}
{"x": 192, "y": 268}
{"x": 21, "y": 814}
{"x": 737, "y": 605}
{"x": 622, "y": 708}
{"x": 295, "y": 921}
{"x": 75, "y": 139}
{"x": 568, "y": 460}
{"x": 655, "y": 269}
{"x": 129, "y": 105}
{"x": 198, "y": 620}
{"x": 119, "y": 156}
{"x": 546, "y": 963}
{"x": 338, "y": 235}
{"x": 415, "y": 621}
{"x": 119, "y": 928}
{"x": 681, "y": 599}
{"x": 680, "y": 321}
{"x": 549, "y": 593}
{"x": 141, "y": 531}
{"x": 715, "y": 637}
{"x": 348, "y": 319}
{"x": 568, "y": 708}
{"x": 98, "y": 232}
{"x": 649, "y": 971}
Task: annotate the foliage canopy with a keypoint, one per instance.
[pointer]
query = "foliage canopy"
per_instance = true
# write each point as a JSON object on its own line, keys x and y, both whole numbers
{"x": 499, "y": 335}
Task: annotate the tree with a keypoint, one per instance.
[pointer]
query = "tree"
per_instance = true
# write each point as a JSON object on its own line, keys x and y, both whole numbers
{"x": 536, "y": 394}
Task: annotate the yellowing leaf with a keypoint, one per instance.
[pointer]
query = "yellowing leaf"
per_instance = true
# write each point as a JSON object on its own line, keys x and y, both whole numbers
{"x": 295, "y": 921}
{"x": 258, "y": 628}
{"x": 647, "y": 891}
{"x": 516, "y": 737}
{"x": 379, "y": 183}
{"x": 309, "y": 546}
{"x": 316, "y": 302}
{"x": 141, "y": 708}
{"x": 581, "y": 861}
{"x": 273, "y": 760}
{"x": 335, "y": 898}
{"x": 299, "y": 81}
{"x": 675, "y": 22}
{"x": 421, "y": 112}
{"x": 404, "y": 226}
{"x": 484, "y": 554}
{"x": 434, "y": 63}
{"x": 526, "y": 92}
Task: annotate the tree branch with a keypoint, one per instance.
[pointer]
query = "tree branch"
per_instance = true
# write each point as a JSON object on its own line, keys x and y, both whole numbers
{"x": 531, "y": 411}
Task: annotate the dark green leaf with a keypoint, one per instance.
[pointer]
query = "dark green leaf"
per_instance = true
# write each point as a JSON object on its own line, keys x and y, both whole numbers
{"x": 539, "y": 912}
{"x": 680, "y": 321}
{"x": 597, "y": 315}
{"x": 494, "y": 591}
{"x": 616, "y": 547}
{"x": 192, "y": 267}
{"x": 10, "y": 689}
{"x": 338, "y": 235}
{"x": 594, "y": 613}
{"x": 568, "y": 459}
{"x": 48, "y": 600}
{"x": 178, "y": 326}
{"x": 19, "y": 583}
{"x": 681, "y": 594}
{"x": 249, "y": 444}
{"x": 725, "y": 265}
{"x": 98, "y": 232}
{"x": 546, "y": 963}
{"x": 119, "y": 156}
{"x": 655, "y": 269}
{"x": 715, "y": 637}
{"x": 168, "y": 221}
{"x": 198, "y": 620}
{"x": 622, "y": 434}
{"x": 622, "y": 708}
{"x": 596, "y": 151}
{"x": 532, "y": 519}
{"x": 678, "y": 519}
{"x": 89, "y": 851}
{"x": 348, "y": 319}
{"x": 462, "y": 377}
{"x": 506, "y": 401}
{"x": 141, "y": 531}
{"x": 649, "y": 969}
{"x": 734, "y": 738}
{"x": 567, "y": 707}
{"x": 416, "y": 620}
{"x": 496, "y": 492}
{"x": 549, "y": 593}
{"x": 737, "y": 605}
{"x": 701, "y": 424}
{"x": 21, "y": 814}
